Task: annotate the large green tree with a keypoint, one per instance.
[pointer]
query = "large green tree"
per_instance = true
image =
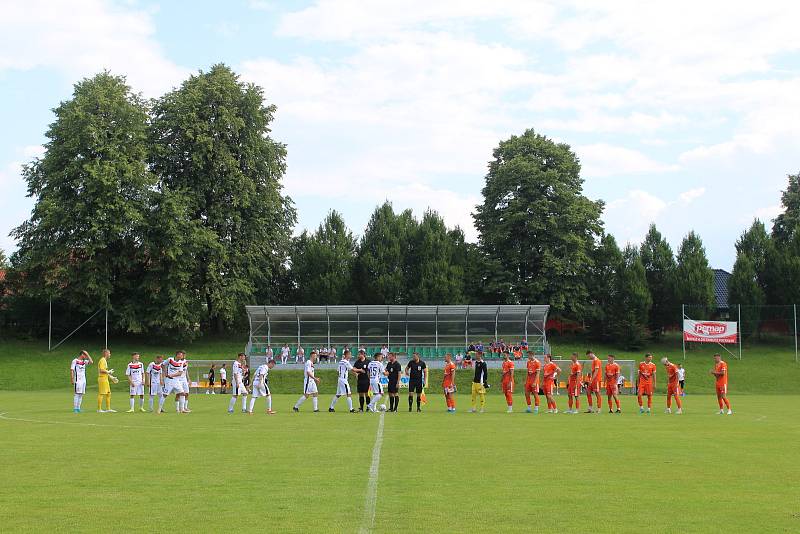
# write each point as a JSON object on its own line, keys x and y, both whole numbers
{"x": 322, "y": 263}
{"x": 787, "y": 222}
{"x": 91, "y": 191}
{"x": 211, "y": 148}
{"x": 631, "y": 306}
{"x": 607, "y": 264}
{"x": 436, "y": 268}
{"x": 694, "y": 278}
{"x": 383, "y": 264}
{"x": 744, "y": 290}
{"x": 535, "y": 224}
{"x": 659, "y": 266}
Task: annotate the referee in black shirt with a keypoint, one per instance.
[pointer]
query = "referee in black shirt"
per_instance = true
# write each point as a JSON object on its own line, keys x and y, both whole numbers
{"x": 394, "y": 369}
{"x": 362, "y": 382}
{"x": 417, "y": 373}
{"x": 479, "y": 383}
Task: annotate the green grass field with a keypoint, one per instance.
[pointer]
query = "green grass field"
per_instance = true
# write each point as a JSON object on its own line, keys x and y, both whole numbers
{"x": 209, "y": 471}
{"x": 438, "y": 472}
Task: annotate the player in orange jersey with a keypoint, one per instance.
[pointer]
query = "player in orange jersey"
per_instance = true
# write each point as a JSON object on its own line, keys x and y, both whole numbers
{"x": 532, "y": 382}
{"x": 508, "y": 381}
{"x": 593, "y": 385}
{"x": 673, "y": 386}
{"x": 574, "y": 384}
{"x": 551, "y": 371}
{"x": 720, "y": 371}
{"x": 612, "y": 376}
{"x": 449, "y": 383}
{"x": 646, "y": 381}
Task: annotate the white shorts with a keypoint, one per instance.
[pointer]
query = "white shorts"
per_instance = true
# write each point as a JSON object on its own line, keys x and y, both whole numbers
{"x": 137, "y": 389}
{"x": 343, "y": 387}
{"x": 377, "y": 388}
{"x": 172, "y": 385}
{"x": 186, "y": 384}
{"x": 260, "y": 390}
{"x": 310, "y": 386}
{"x": 238, "y": 388}
{"x": 80, "y": 387}
{"x": 156, "y": 390}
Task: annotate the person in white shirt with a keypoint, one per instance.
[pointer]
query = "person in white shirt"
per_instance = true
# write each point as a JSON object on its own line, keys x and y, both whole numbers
{"x": 375, "y": 370}
{"x": 343, "y": 386}
{"x": 385, "y": 351}
{"x": 332, "y": 355}
{"x": 261, "y": 386}
{"x": 284, "y": 353}
{"x": 154, "y": 376}
{"x": 186, "y": 383}
{"x": 135, "y": 374}
{"x": 682, "y": 379}
{"x": 77, "y": 372}
{"x": 269, "y": 353}
{"x": 300, "y": 355}
{"x": 310, "y": 383}
{"x": 237, "y": 387}
{"x": 173, "y": 382}
{"x": 223, "y": 379}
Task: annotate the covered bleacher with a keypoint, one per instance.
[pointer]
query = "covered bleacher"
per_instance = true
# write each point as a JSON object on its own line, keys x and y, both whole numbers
{"x": 430, "y": 330}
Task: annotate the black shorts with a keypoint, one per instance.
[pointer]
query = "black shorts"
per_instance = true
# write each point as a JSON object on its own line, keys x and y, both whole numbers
{"x": 223, "y": 382}
{"x": 415, "y": 387}
{"x": 393, "y": 387}
{"x": 362, "y": 387}
{"x": 211, "y": 382}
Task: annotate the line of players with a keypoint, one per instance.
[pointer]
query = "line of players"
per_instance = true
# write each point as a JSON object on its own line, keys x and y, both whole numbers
{"x": 165, "y": 378}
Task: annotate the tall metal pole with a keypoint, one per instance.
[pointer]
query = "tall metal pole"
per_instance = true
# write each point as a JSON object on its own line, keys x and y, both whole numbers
{"x": 795, "y": 333}
{"x": 50, "y": 327}
{"x": 436, "y": 329}
{"x": 106, "y": 347}
{"x": 328, "y": 318}
{"x": 683, "y": 333}
{"x": 358, "y": 328}
{"x": 740, "y": 331}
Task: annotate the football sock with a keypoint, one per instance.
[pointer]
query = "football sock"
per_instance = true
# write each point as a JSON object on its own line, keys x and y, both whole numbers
{"x": 589, "y": 399}
{"x": 528, "y": 398}
{"x": 132, "y": 402}
{"x": 419, "y": 401}
{"x": 361, "y": 402}
{"x": 410, "y": 402}
{"x": 244, "y": 401}
{"x": 577, "y": 403}
{"x": 232, "y": 404}
{"x": 678, "y": 402}
{"x": 252, "y": 403}
{"x": 727, "y": 403}
{"x": 536, "y": 400}
{"x": 76, "y": 401}
{"x": 719, "y": 400}
{"x": 300, "y": 401}
{"x": 349, "y": 403}
{"x": 639, "y": 398}
{"x": 161, "y": 402}
{"x": 269, "y": 402}
{"x": 186, "y": 402}
{"x": 333, "y": 402}
{"x": 650, "y": 401}
{"x": 617, "y": 403}
{"x": 100, "y": 402}
{"x": 669, "y": 401}
{"x": 314, "y": 403}
{"x": 599, "y": 402}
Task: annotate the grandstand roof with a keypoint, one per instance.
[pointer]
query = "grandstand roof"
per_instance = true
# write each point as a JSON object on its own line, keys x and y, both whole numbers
{"x": 534, "y": 312}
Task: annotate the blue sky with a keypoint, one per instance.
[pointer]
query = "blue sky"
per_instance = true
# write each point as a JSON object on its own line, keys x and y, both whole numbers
{"x": 685, "y": 114}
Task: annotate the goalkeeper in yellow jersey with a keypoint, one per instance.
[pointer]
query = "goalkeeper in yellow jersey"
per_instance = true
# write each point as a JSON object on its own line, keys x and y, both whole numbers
{"x": 104, "y": 375}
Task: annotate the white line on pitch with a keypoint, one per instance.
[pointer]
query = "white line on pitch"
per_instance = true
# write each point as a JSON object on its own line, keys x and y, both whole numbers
{"x": 372, "y": 485}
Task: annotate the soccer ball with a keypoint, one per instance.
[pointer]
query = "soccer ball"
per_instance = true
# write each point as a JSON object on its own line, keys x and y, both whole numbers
{"x": 382, "y": 407}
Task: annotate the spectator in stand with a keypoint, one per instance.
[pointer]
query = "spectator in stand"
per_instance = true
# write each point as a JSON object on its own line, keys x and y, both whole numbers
{"x": 269, "y": 353}
{"x": 517, "y": 353}
{"x": 459, "y": 359}
{"x": 285, "y": 353}
{"x": 332, "y": 356}
{"x": 385, "y": 351}
{"x": 471, "y": 347}
{"x": 467, "y": 362}
{"x": 479, "y": 347}
{"x": 524, "y": 345}
{"x": 299, "y": 355}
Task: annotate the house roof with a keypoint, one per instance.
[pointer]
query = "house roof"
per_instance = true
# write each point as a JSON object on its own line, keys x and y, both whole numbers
{"x": 721, "y": 277}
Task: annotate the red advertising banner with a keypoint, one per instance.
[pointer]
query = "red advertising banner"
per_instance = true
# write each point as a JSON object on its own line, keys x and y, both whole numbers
{"x": 710, "y": 331}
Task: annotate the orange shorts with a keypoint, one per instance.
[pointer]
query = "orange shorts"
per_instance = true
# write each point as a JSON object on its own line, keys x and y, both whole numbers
{"x": 593, "y": 387}
{"x": 611, "y": 389}
{"x": 573, "y": 388}
{"x": 549, "y": 387}
{"x": 508, "y": 386}
{"x": 673, "y": 389}
{"x": 532, "y": 387}
{"x": 645, "y": 388}
{"x": 722, "y": 390}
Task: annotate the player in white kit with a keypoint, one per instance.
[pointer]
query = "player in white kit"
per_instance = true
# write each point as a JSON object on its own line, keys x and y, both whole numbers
{"x": 375, "y": 370}
{"x": 135, "y": 374}
{"x": 154, "y": 377}
{"x": 237, "y": 386}
{"x": 310, "y": 383}
{"x": 77, "y": 371}
{"x": 343, "y": 386}
{"x": 173, "y": 383}
{"x": 284, "y": 353}
{"x": 185, "y": 379}
{"x": 261, "y": 386}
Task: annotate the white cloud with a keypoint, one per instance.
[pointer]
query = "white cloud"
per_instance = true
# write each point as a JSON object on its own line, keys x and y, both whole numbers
{"x": 84, "y": 37}
{"x": 629, "y": 217}
{"x": 601, "y": 160}
{"x": 687, "y": 197}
